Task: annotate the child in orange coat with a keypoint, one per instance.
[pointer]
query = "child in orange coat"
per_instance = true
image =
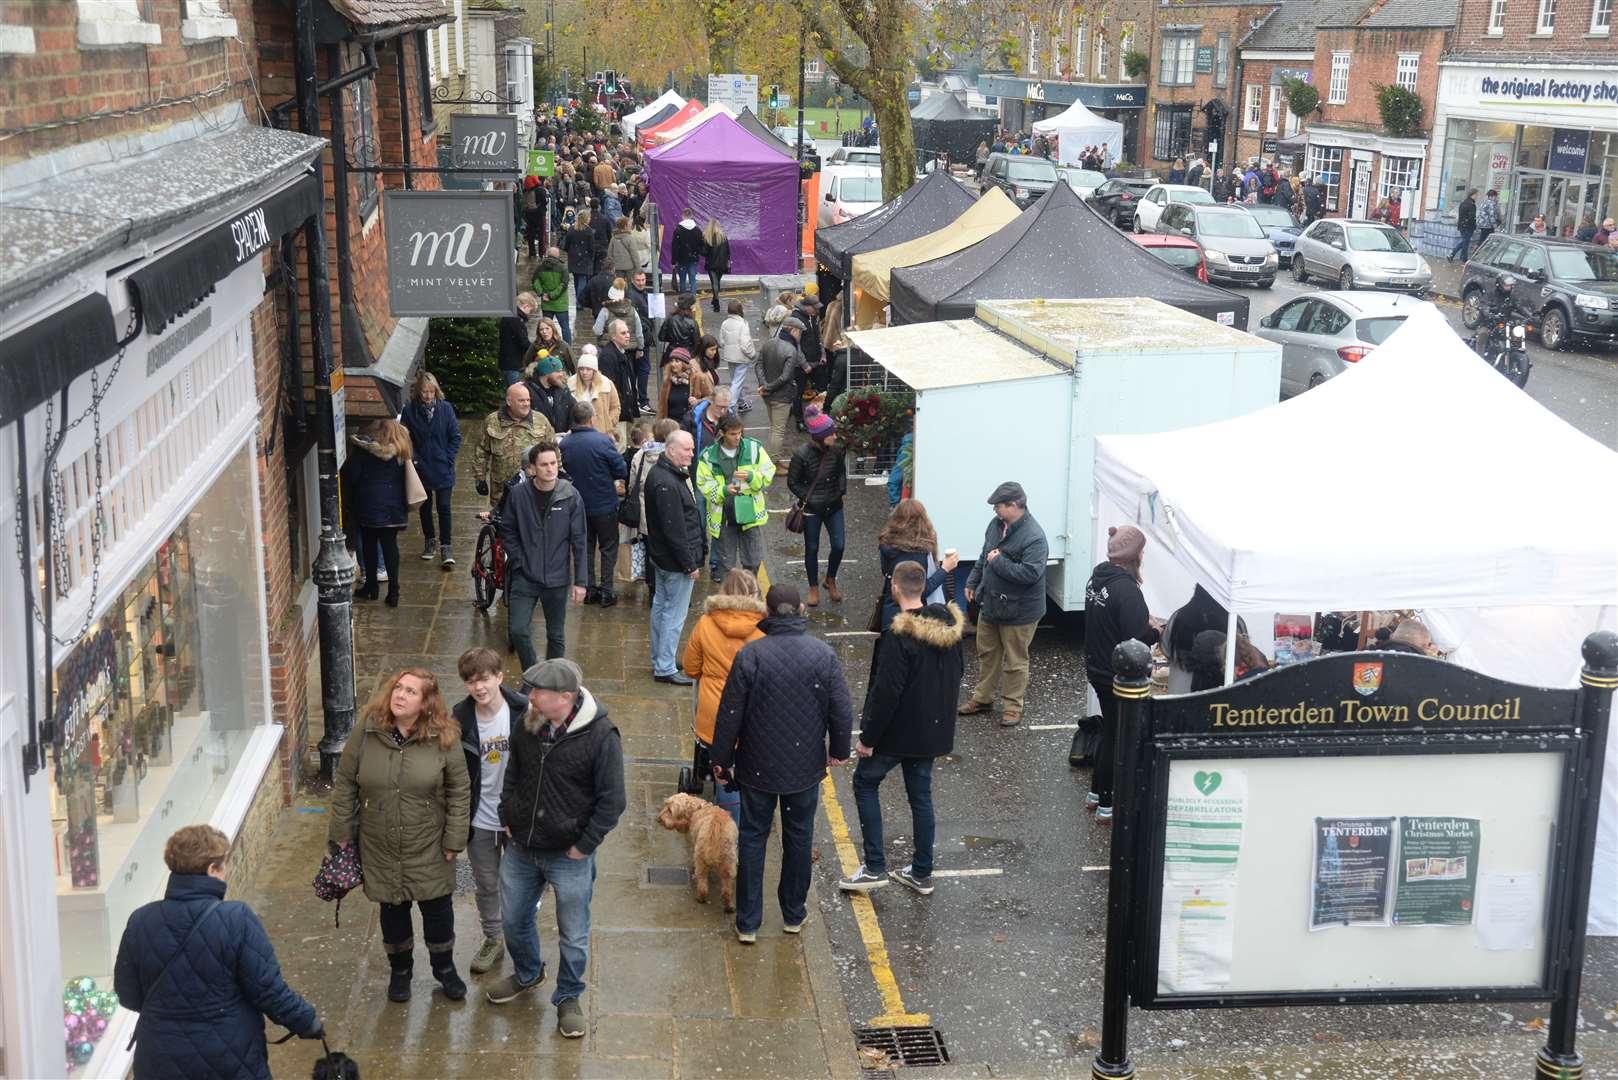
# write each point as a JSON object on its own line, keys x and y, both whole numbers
{"x": 729, "y": 620}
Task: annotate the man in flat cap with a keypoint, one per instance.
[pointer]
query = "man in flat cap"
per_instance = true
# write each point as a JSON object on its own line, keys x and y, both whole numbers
{"x": 1008, "y": 583}
{"x": 563, "y": 793}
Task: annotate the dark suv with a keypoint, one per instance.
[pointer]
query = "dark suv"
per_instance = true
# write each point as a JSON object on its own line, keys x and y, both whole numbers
{"x": 1023, "y": 178}
{"x": 1115, "y": 200}
{"x": 1569, "y": 289}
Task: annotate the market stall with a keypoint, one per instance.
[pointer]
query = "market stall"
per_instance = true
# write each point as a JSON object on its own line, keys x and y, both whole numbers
{"x": 1059, "y": 247}
{"x": 755, "y": 127}
{"x": 1491, "y": 516}
{"x": 872, "y": 269}
{"x": 721, "y": 171}
{"x": 652, "y": 112}
{"x": 943, "y": 125}
{"x": 646, "y": 133}
{"x": 1077, "y": 127}
{"x": 667, "y": 134}
{"x": 928, "y": 205}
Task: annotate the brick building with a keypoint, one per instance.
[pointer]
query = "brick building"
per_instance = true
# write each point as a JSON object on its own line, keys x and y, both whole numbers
{"x": 1194, "y": 80}
{"x": 1528, "y": 104}
{"x": 1396, "y": 42}
{"x": 1283, "y": 47}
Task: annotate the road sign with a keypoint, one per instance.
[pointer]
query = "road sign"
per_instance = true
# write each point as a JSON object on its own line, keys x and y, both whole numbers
{"x": 735, "y": 91}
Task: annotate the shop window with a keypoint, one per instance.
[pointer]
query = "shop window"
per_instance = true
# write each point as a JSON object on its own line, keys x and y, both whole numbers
{"x": 1222, "y": 60}
{"x": 1177, "y": 59}
{"x": 1338, "y": 91}
{"x": 1251, "y": 106}
{"x": 1326, "y": 162}
{"x": 1601, "y": 17}
{"x": 1546, "y": 22}
{"x": 1171, "y": 136}
{"x": 1273, "y": 121}
{"x": 424, "y": 78}
{"x": 1399, "y": 174}
{"x": 206, "y": 20}
{"x": 1409, "y": 64}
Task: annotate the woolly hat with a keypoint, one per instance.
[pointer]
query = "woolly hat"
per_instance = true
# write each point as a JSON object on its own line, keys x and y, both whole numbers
{"x": 587, "y": 359}
{"x": 682, "y": 354}
{"x": 1125, "y": 542}
{"x": 548, "y": 365}
{"x": 819, "y": 425}
{"x": 781, "y": 596}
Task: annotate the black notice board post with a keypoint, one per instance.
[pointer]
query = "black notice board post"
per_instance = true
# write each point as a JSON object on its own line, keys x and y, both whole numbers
{"x": 1301, "y": 738}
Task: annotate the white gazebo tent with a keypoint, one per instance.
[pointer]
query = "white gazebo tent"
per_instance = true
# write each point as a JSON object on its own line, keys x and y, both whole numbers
{"x": 1077, "y": 127}
{"x": 1419, "y": 478}
{"x": 633, "y": 120}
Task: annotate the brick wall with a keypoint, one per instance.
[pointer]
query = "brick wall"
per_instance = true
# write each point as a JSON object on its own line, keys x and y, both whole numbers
{"x": 1212, "y": 20}
{"x": 1375, "y": 61}
{"x": 252, "y": 842}
{"x": 62, "y": 82}
{"x": 1571, "y": 38}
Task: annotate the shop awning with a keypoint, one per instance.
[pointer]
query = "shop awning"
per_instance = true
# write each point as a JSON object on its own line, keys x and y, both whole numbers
{"x": 169, "y": 286}
{"x": 48, "y": 354}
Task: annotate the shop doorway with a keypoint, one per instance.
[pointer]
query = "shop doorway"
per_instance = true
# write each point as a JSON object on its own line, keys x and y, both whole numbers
{"x": 1360, "y": 187}
{"x": 1565, "y": 200}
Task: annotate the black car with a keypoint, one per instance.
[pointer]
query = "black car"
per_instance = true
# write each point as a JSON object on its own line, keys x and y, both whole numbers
{"x": 1565, "y": 288}
{"x": 1115, "y": 200}
{"x": 1023, "y": 178}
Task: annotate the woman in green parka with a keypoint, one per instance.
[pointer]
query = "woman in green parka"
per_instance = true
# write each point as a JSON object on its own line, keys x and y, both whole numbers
{"x": 402, "y": 786}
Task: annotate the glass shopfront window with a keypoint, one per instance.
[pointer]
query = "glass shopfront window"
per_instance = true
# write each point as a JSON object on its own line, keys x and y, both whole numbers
{"x": 1568, "y": 174}
{"x": 153, "y": 710}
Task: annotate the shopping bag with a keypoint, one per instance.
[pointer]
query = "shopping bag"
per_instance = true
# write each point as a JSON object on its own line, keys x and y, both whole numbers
{"x": 1086, "y": 741}
{"x": 415, "y": 493}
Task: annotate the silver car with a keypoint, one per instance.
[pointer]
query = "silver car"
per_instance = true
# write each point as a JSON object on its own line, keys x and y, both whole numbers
{"x": 1352, "y": 253}
{"x": 1236, "y": 249}
{"x": 1082, "y": 181}
{"x": 1322, "y": 333}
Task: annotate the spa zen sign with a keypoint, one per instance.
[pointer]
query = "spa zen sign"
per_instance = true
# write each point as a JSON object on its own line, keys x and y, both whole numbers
{"x": 479, "y": 141}
{"x": 450, "y": 252}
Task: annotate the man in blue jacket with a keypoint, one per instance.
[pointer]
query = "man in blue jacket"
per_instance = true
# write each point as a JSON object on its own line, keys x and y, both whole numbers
{"x": 1008, "y": 582}
{"x": 542, "y": 528}
{"x": 596, "y": 466}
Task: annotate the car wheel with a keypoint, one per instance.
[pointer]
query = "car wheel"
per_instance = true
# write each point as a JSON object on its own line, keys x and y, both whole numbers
{"x": 1345, "y": 279}
{"x": 1299, "y": 274}
{"x": 1553, "y": 329}
{"x": 1137, "y": 224}
{"x": 1266, "y": 283}
{"x": 1316, "y": 379}
{"x": 1471, "y": 308}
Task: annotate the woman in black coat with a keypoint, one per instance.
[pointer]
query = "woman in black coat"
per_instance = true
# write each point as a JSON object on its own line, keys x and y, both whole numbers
{"x": 909, "y": 537}
{"x": 202, "y": 973}
{"x": 718, "y": 256}
{"x": 376, "y": 468}
{"x": 818, "y": 478}
{"x": 601, "y": 234}
{"x": 435, "y": 439}
{"x": 579, "y": 245}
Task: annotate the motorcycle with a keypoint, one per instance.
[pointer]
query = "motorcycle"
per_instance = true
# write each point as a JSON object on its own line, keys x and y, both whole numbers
{"x": 1502, "y": 340}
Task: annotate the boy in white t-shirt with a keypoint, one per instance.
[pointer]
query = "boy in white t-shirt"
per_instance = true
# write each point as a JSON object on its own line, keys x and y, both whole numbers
{"x": 486, "y": 716}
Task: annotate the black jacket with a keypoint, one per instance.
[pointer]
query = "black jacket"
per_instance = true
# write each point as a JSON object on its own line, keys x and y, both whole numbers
{"x": 718, "y": 260}
{"x": 567, "y": 793}
{"x": 378, "y": 482}
{"x": 673, "y": 524}
{"x": 1466, "y": 218}
{"x": 784, "y": 711}
{"x": 579, "y": 245}
{"x": 205, "y": 1018}
{"x": 513, "y": 342}
{"x": 809, "y": 343}
{"x": 687, "y": 246}
{"x": 916, "y": 672}
{"x": 467, "y": 716}
{"x": 620, "y": 371}
{"x": 680, "y": 332}
{"x": 548, "y": 552}
{"x": 595, "y": 290}
{"x": 1010, "y": 590}
{"x": 601, "y": 231}
{"x": 554, "y": 403}
{"x": 1224, "y": 188}
{"x": 1114, "y": 611}
{"x": 827, "y": 494}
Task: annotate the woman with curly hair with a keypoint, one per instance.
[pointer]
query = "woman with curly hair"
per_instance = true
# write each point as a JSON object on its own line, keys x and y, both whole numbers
{"x": 407, "y": 771}
{"x": 909, "y": 537}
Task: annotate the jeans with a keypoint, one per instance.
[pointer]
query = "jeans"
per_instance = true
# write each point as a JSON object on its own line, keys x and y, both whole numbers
{"x": 833, "y": 521}
{"x": 1101, "y": 773}
{"x": 437, "y": 924}
{"x": 387, "y": 542}
{"x": 441, "y": 497}
{"x": 711, "y": 547}
{"x": 563, "y": 322}
{"x": 685, "y": 277}
{"x": 643, "y": 373}
{"x": 524, "y": 873}
{"x": 669, "y": 603}
{"x": 601, "y": 532}
{"x": 797, "y": 845}
{"x": 918, "y": 774}
{"x": 483, "y": 852}
{"x": 511, "y": 377}
{"x": 1461, "y": 245}
{"x": 521, "y": 599}
{"x": 738, "y": 376}
{"x": 579, "y": 282}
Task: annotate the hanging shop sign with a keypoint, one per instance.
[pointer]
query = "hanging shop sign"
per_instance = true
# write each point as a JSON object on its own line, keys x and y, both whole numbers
{"x": 450, "y": 253}
{"x": 541, "y": 162}
{"x": 486, "y": 142}
{"x": 1205, "y": 60}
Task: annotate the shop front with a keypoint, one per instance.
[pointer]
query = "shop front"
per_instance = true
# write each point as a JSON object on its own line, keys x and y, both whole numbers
{"x": 1545, "y": 138}
{"x": 1023, "y": 102}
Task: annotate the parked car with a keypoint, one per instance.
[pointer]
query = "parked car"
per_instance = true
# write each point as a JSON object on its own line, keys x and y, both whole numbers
{"x": 867, "y": 156}
{"x": 1180, "y": 252}
{"x": 1115, "y": 200}
{"x": 850, "y": 194}
{"x": 1234, "y": 244}
{"x": 1569, "y": 290}
{"x": 1159, "y": 197}
{"x": 1082, "y": 181}
{"x": 1279, "y": 225}
{"x": 1322, "y": 333}
{"x": 1354, "y": 253}
{"x": 1023, "y": 178}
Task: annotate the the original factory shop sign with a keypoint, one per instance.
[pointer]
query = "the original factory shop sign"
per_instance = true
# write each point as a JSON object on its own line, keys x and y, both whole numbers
{"x": 485, "y": 142}
{"x": 450, "y": 252}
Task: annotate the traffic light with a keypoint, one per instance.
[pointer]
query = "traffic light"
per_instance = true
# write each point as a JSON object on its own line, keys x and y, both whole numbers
{"x": 612, "y": 82}
{"x": 775, "y": 96}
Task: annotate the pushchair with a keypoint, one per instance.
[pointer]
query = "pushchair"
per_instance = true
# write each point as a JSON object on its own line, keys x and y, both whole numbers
{"x": 694, "y": 778}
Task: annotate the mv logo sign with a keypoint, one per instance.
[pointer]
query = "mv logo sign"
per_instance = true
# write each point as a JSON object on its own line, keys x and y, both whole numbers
{"x": 450, "y": 252}
{"x": 485, "y": 143}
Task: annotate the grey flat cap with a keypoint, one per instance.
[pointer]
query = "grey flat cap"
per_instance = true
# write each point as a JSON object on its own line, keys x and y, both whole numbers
{"x": 1009, "y": 492}
{"x": 560, "y": 675}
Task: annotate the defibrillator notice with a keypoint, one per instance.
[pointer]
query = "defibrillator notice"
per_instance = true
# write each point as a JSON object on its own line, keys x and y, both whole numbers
{"x": 1349, "y": 886}
{"x": 1438, "y": 871}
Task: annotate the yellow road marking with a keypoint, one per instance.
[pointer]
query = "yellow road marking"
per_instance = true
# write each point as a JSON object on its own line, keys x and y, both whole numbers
{"x": 876, "y": 950}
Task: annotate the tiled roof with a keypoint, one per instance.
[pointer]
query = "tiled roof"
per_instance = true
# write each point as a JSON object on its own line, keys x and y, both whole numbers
{"x": 374, "y": 14}
{"x": 1292, "y": 25}
{"x": 1408, "y": 13}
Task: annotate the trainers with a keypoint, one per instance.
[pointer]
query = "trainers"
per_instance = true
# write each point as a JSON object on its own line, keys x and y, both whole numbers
{"x": 1091, "y": 801}
{"x": 863, "y": 881}
{"x": 445, "y": 559}
{"x": 747, "y": 937}
{"x": 907, "y": 877}
{"x": 570, "y": 1018}
{"x": 794, "y": 928}
{"x": 429, "y": 549}
{"x": 1104, "y": 814}
{"x": 509, "y": 987}
{"x": 381, "y": 574}
{"x": 490, "y": 954}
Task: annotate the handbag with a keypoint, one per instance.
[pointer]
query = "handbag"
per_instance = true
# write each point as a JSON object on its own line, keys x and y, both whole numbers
{"x": 629, "y": 505}
{"x": 795, "y": 516}
{"x": 1086, "y": 741}
{"x": 340, "y": 871}
{"x": 415, "y": 493}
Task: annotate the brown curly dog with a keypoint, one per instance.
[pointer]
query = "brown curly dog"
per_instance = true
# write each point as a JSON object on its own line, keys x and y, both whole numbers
{"x": 713, "y": 843}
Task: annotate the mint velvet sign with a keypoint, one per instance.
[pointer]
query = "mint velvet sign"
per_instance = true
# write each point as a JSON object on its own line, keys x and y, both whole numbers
{"x": 450, "y": 252}
{"x": 478, "y": 141}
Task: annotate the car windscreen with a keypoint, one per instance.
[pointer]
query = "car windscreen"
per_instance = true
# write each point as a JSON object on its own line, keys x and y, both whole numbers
{"x": 1083, "y": 178}
{"x": 1376, "y": 331}
{"x": 1275, "y": 217}
{"x": 1195, "y": 196}
{"x": 1568, "y": 264}
{"x": 1368, "y": 239}
{"x": 1181, "y": 258}
{"x": 852, "y": 189}
{"x": 1225, "y": 223}
{"x": 1031, "y": 169}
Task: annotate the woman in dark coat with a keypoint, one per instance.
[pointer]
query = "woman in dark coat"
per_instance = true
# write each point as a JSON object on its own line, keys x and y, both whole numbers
{"x": 579, "y": 245}
{"x": 601, "y": 234}
{"x": 818, "y": 477}
{"x": 376, "y": 468}
{"x": 202, "y": 973}
{"x": 718, "y": 256}
{"x": 435, "y": 436}
{"x": 909, "y": 537}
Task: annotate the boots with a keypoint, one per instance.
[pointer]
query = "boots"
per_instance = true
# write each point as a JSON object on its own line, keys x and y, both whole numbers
{"x": 403, "y": 965}
{"x": 430, "y": 549}
{"x": 833, "y": 591}
{"x": 813, "y": 599}
{"x": 443, "y": 959}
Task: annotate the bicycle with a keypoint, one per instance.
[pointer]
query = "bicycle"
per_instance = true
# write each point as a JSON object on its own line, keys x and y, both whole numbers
{"x": 488, "y": 564}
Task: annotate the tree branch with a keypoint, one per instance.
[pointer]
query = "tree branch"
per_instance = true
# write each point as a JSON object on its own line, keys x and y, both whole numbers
{"x": 825, "y": 39}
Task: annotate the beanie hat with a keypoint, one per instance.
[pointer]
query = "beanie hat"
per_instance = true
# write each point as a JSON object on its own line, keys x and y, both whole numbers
{"x": 548, "y": 365}
{"x": 819, "y": 425}
{"x": 587, "y": 359}
{"x": 1125, "y": 542}
{"x": 781, "y": 596}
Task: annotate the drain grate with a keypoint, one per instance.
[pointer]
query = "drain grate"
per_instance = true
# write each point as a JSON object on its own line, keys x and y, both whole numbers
{"x": 900, "y": 1047}
{"x": 668, "y": 875}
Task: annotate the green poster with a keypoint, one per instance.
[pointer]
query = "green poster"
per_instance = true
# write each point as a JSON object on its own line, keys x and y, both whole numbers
{"x": 541, "y": 162}
{"x": 1438, "y": 871}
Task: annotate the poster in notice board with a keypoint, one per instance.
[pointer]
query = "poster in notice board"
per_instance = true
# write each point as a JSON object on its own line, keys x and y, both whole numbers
{"x": 1437, "y": 871}
{"x": 1349, "y": 878}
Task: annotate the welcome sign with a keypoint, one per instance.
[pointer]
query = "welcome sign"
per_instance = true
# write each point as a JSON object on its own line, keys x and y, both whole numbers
{"x": 450, "y": 252}
{"x": 486, "y": 142}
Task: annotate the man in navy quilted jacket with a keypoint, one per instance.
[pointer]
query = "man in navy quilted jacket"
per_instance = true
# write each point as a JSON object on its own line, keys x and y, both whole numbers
{"x": 202, "y": 973}
{"x": 784, "y": 716}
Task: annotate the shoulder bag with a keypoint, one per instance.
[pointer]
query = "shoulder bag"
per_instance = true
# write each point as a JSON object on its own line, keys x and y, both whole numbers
{"x": 795, "y": 516}
{"x": 629, "y": 505}
{"x": 415, "y": 493}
